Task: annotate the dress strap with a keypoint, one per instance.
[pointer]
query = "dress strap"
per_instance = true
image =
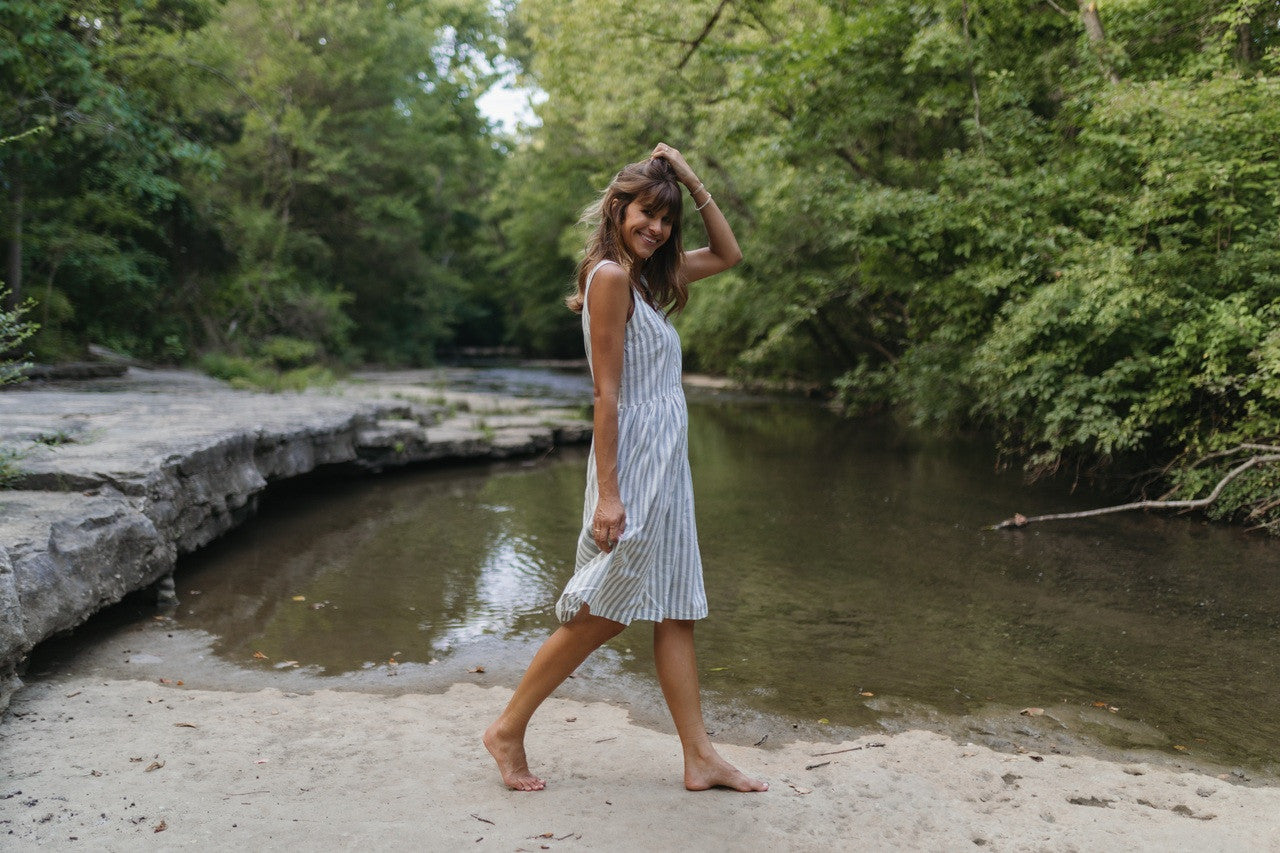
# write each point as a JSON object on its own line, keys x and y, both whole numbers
{"x": 591, "y": 275}
{"x": 587, "y": 290}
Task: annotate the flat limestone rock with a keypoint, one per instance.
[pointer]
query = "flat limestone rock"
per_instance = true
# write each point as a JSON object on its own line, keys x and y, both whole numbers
{"x": 119, "y": 478}
{"x": 66, "y": 555}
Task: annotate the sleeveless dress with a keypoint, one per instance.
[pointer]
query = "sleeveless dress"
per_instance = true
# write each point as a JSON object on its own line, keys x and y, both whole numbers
{"x": 655, "y": 571}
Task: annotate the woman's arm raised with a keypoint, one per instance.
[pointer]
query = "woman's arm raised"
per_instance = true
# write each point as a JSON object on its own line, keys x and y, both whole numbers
{"x": 722, "y": 250}
{"x": 608, "y": 302}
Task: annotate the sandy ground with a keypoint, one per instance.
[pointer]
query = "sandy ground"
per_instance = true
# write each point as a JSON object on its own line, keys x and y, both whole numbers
{"x": 127, "y": 765}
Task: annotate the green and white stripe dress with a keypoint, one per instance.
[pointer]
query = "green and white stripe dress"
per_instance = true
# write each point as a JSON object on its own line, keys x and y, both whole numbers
{"x": 655, "y": 571}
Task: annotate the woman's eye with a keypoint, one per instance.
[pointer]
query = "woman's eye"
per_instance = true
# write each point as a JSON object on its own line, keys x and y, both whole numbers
{"x": 646, "y": 211}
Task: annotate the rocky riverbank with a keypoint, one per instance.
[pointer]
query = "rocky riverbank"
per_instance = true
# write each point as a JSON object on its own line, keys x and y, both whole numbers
{"x": 116, "y": 478}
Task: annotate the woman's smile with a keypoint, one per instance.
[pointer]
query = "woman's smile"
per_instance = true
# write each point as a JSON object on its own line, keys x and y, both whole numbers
{"x": 646, "y": 229}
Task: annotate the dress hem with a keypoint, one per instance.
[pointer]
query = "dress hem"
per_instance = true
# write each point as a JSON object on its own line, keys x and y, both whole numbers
{"x": 571, "y": 603}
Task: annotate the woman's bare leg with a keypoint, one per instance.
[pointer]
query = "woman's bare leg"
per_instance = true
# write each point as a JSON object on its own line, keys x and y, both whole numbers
{"x": 559, "y": 656}
{"x": 678, "y": 675}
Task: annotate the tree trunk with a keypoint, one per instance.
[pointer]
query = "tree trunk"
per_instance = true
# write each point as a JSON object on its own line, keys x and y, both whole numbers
{"x": 13, "y": 278}
{"x": 973, "y": 77}
{"x": 1097, "y": 36}
{"x": 1244, "y": 44}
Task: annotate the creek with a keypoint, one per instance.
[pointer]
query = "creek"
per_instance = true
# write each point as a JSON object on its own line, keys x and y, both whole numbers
{"x": 850, "y": 580}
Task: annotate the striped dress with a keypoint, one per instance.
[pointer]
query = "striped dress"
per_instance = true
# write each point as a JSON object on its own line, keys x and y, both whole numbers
{"x": 655, "y": 571}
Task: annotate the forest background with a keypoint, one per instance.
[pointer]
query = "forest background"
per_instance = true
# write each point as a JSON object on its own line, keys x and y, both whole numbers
{"x": 1056, "y": 221}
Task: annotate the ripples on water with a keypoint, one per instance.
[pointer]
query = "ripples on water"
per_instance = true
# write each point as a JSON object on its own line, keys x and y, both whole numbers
{"x": 841, "y": 560}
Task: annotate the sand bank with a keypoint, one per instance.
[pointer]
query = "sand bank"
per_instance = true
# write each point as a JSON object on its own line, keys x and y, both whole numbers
{"x": 128, "y": 765}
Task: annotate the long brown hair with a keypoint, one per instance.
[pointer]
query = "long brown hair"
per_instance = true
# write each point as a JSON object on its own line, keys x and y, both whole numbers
{"x": 653, "y": 184}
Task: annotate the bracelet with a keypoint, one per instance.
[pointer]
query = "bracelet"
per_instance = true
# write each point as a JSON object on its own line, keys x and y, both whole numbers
{"x": 694, "y": 191}
{"x": 704, "y": 204}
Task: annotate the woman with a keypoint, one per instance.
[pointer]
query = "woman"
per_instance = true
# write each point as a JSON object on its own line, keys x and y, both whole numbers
{"x": 638, "y": 550}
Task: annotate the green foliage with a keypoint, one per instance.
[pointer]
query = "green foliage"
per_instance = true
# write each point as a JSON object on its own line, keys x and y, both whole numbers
{"x": 973, "y": 213}
{"x": 10, "y": 467}
{"x": 353, "y": 189}
{"x": 286, "y": 353}
{"x": 57, "y": 438}
{"x": 15, "y": 330}
{"x": 211, "y": 175}
{"x": 1152, "y": 334}
{"x": 261, "y": 374}
{"x": 86, "y": 198}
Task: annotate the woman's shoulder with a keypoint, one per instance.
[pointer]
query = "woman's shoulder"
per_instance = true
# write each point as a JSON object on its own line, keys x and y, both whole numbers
{"x": 610, "y": 286}
{"x": 610, "y": 274}
{"x": 611, "y": 268}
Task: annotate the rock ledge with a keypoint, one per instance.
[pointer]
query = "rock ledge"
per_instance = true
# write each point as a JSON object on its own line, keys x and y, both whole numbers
{"x": 116, "y": 484}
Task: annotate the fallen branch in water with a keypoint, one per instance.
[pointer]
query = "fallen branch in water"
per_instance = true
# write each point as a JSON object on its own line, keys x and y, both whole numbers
{"x": 1020, "y": 520}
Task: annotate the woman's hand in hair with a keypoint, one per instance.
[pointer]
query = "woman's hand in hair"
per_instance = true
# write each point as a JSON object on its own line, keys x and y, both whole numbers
{"x": 722, "y": 251}
{"x": 684, "y": 174}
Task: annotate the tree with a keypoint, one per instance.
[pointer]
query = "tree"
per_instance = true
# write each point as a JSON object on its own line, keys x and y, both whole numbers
{"x": 82, "y": 199}
{"x": 351, "y": 194}
{"x": 1057, "y": 223}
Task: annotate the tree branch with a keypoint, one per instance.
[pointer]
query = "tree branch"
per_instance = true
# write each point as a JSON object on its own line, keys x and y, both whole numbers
{"x": 1020, "y": 520}
{"x": 1239, "y": 448}
{"x": 706, "y": 31}
{"x": 852, "y": 161}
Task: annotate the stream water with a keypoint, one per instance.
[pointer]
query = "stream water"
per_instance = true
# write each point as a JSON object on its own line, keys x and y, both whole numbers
{"x": 850, "y": 579}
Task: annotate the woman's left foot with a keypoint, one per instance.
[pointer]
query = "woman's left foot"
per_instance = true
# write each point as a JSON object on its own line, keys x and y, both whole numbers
{"x": 712, "y": 771}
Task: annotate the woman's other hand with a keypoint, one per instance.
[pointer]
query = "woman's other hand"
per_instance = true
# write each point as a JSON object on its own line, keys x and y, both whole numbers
{"x": 608, "y": 523}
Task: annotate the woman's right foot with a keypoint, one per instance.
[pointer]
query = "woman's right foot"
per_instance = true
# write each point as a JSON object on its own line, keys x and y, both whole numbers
{"x": 508, "y": 752}
{"x": 702, "y": 772}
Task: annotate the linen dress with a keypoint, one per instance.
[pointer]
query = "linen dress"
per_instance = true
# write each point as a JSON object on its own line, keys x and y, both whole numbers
{"x": 655, "y": 571}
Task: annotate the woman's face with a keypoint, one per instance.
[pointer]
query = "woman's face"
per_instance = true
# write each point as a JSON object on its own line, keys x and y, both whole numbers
{"x": 644, "y": 229}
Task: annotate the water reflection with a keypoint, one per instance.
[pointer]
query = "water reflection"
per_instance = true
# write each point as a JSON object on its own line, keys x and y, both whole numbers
{"x": 841, "y": 560}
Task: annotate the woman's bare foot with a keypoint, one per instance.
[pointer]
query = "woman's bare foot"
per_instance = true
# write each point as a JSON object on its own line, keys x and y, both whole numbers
{"x": 711, "y": 771}
{"x": 508, "y": 751}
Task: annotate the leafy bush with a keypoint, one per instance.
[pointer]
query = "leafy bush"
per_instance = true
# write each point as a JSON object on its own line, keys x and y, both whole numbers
{"x": 286, "y": 353}
{"x": 14, "y": 332}
{"x": 10, "y": 472}
{"x": 259, "y": 374}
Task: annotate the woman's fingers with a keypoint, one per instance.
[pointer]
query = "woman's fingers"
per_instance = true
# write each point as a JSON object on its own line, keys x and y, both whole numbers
{"x": 674, "y": 157}
{"x": 606, "y": 532}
